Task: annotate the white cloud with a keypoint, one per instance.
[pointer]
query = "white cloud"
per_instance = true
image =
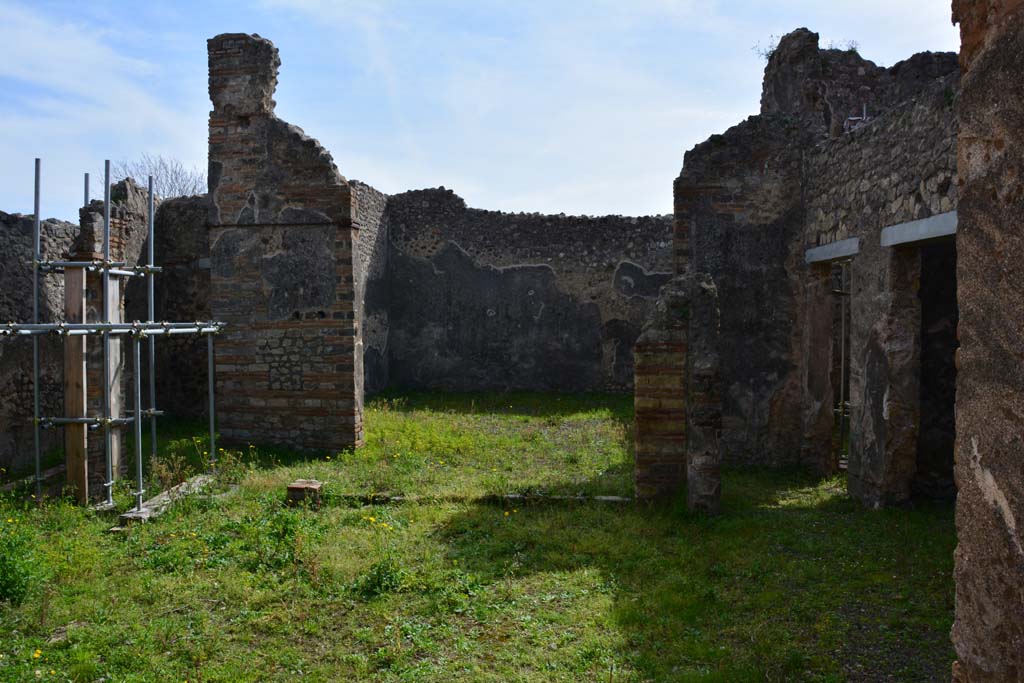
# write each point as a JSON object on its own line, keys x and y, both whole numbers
{"x": 74, "y": 100}
{"x": 537, "y": 105}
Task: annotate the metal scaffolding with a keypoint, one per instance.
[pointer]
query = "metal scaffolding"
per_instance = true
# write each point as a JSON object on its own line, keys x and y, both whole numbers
{"x": 104, "y": 329}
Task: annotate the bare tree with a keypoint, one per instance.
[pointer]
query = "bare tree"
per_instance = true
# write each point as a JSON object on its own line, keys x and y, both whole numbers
{"x": 171, "y": 178}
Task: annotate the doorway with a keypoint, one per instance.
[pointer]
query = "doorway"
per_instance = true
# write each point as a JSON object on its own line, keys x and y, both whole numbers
{"x": 939, "y": 318}
{"x": 840, "y": 370}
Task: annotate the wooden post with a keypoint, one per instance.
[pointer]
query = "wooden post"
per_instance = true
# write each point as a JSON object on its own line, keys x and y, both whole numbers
{"x": 75, "y": 404}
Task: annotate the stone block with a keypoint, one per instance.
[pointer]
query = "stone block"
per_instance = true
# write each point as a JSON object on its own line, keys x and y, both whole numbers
{"x": 305, "y": 492}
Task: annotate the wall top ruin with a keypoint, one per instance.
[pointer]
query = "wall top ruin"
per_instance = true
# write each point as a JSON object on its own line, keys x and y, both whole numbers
{"x": 826, "y": 87}
{"x": 421, "y": 220}
{"x": 243, "y": 74}
{"x": 264, "y": 170}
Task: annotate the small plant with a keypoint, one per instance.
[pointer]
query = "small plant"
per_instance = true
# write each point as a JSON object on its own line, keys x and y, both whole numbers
{"x": 279, "y": 538}
{"x": 232, "y": 466}
{"x": 21, "y": 571}
{"x": 766, "y": 50}
{"x": 169, "y": 469}
{"x": 851, "y": 46}
{"x": 384, "y": 576}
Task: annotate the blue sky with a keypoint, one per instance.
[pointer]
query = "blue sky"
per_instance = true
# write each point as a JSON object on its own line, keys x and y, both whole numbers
{"x": 582, "y": 106}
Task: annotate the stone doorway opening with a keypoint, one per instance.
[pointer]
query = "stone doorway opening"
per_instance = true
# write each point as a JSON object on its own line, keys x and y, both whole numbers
{"x": 933, "y": 477}
{"x": 840, "y": 371}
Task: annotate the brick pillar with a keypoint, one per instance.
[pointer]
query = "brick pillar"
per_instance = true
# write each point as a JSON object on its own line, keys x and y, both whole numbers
{"x": 281, "y": 239}
{"x": 677, "y": 396}
{"x": 660, "y": 399}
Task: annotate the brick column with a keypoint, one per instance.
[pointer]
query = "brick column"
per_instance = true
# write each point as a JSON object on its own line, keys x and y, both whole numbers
{"x": 660, "y": 404}
{"x": 281, "y": 238}
{"x": 677, "y": 396}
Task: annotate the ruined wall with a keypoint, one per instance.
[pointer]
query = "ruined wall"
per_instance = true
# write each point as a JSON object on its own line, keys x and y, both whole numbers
{"x": 371, "y": 283}
{"x": 484, "y": 300}
{"x": 989, "y": 630}
{"x": 61, "y": 240}
{"x": 899, "y": 167}
{"x": 282, "y": 270}
{"x": 738, "y": 204}
{"x": 182, "y": 294}
{"x": 16, "y": 393}
{"x": 825, "y": 88}
{"x": 128, "y": 236}
{"x": 748, "y": 204}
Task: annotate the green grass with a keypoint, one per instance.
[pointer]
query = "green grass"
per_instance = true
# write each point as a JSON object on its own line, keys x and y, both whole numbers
{"x": 793, "y": 582}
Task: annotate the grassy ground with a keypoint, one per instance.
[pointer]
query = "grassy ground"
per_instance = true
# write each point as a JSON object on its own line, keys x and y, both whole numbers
{"x": 792, "y": 583}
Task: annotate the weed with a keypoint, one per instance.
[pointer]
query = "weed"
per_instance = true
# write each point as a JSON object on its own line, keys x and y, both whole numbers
{"x": 169, "y": 469}
{"x": 21, "y": 569}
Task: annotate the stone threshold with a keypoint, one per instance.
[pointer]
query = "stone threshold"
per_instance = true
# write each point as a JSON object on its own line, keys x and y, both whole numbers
{"x": 161, "y": 502}
{"x": 363, "y": 499}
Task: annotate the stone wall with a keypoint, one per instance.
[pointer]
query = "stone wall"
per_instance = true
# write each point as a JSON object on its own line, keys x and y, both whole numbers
{"x": 484, "y": 300}
{"x": 282, "y": 268}
{"x": 62, "y": 240}
{"x": 738, "y": 203}
{"x": 182, "y": 294}
{"x": 371, "y": 263}
{"x": 989, "y": 630}
{"x": 825, "y": 89}
{"x": 16, "y": 393}
{"x": 899, "y": 167}
{"x": 128, "y": 237}
{"x": 808, "y": 171}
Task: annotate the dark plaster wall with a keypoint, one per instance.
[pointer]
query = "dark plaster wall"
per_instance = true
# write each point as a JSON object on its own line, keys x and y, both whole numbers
{"x": 491, "y": 300}
{"x": 738, "y": 201}
{"x": 182, "y": 293}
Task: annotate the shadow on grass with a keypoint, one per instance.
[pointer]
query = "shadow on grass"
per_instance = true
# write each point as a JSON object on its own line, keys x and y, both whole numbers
{"x": 531, "y": 404}
{"x": 793, "y": 582}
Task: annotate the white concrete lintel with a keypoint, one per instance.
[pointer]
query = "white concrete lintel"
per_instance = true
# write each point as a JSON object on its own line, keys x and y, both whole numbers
{"x": 835, "y": 251}
{"x": 940, "y": 225}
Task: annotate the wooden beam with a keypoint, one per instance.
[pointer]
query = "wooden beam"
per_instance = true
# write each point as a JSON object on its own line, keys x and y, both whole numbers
{"x": 75, "y": 403}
